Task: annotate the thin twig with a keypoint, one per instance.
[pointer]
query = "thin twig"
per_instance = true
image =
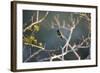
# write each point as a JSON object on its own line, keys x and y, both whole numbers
{"x": 73, "y": 49}
{"x": 34, "y": 54}
{"x": 37, "y": 16}
{"x": 88, "y": 38}
{"x": 34, "y": 46}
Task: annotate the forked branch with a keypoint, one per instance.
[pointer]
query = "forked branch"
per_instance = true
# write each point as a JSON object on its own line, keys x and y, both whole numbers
{"x": 36, "y": 22}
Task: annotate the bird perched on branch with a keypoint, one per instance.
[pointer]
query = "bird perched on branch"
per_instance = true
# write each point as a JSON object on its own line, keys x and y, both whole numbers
{"x": 59, "y": 34}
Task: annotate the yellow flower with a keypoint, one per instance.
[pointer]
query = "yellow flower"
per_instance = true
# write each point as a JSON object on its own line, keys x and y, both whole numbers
{"x": 29, "y": 39}
{"x": 36, "y": 27}
{"x": 32, "y": 38}
{"x": 35, "y": 41}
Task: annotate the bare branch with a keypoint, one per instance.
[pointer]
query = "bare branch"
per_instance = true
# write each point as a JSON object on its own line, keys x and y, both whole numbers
{"x": 85, "y": 40}
{"x": 56, "y": 18}
{"x": 85, "y": 15}
{"x": 37, "y": 16}
{"x": 73, "y": 49}
{"x": 74, "y": 23}
{"x": 65, "y": 46}
{"x": 59, "y": 56}
{"x": 34, "y": 46}
{"x": 34, "y": 54}
{"x": 64, "y": 24}
{"x": 39, "y": 21}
